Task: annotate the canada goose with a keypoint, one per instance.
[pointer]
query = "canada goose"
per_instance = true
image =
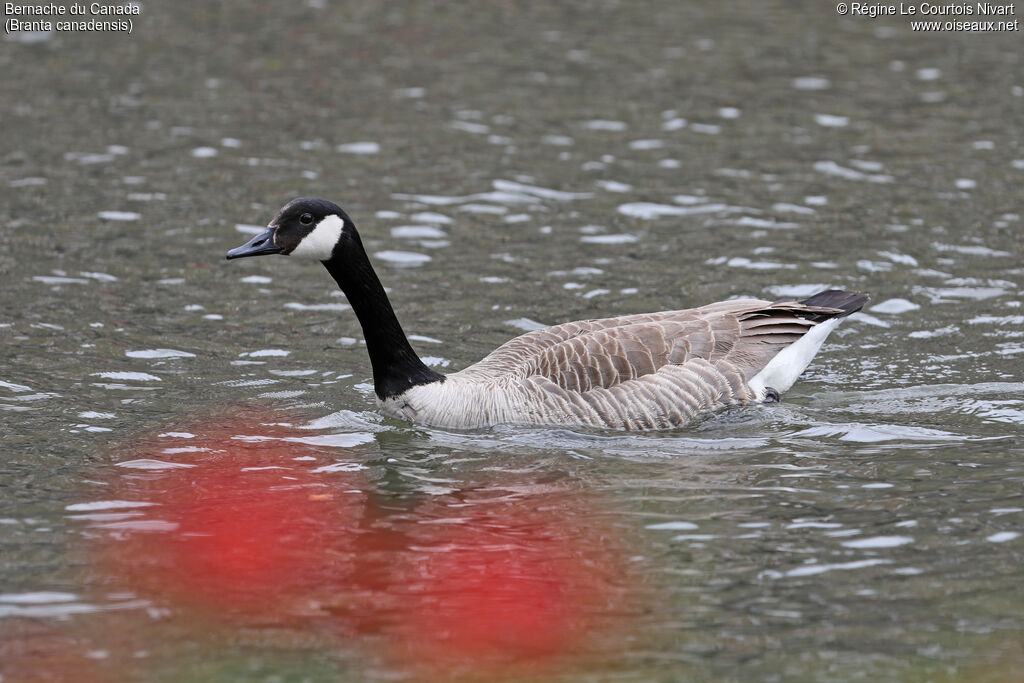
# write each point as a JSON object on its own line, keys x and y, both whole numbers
{"x": 648, "y": 371}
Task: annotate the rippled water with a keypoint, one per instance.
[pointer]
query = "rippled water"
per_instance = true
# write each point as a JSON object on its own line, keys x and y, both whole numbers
{"x": 196, "y": 484}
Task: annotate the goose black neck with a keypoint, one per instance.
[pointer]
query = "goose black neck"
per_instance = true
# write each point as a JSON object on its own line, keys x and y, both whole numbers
{"x": 396, "y": 367}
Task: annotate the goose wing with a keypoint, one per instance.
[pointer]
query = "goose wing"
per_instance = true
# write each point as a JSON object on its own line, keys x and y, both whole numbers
{"x": 738, "y": 337}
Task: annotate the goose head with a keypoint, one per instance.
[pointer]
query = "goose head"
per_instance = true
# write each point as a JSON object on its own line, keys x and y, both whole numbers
{"x": 304, "y": 227}
{"x": 320, "y": 230}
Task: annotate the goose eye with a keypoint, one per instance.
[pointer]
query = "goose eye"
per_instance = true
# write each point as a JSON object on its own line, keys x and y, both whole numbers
{"x": 306, "y": 219}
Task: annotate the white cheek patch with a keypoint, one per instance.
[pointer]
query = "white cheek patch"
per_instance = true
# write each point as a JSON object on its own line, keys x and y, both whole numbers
{"x": 319, "y": 243}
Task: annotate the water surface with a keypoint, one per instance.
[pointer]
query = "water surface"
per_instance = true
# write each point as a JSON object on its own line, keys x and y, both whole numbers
{"x": 195, "y": 482}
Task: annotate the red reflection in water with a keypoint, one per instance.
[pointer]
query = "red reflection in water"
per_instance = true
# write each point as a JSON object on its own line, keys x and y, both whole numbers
{"x": 507, "y": 583}
{"x": 251, "y": 538}
{"x": 501, "y": 577}
{"x": 246, "y": 528}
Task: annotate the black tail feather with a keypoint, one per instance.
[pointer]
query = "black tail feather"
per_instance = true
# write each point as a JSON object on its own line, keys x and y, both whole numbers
{"x": 845, "y": 301}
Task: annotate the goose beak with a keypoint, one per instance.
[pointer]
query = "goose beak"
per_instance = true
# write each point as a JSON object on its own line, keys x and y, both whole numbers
{"x": 258, "y": 246}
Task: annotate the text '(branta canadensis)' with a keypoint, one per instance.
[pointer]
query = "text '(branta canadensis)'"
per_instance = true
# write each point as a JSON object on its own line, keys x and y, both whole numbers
{"x": 633, "y": 372}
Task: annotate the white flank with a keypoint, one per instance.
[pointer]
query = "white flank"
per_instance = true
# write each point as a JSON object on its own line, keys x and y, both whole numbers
{"x": 782, "y": 371}
{"x": 319, "y": 243}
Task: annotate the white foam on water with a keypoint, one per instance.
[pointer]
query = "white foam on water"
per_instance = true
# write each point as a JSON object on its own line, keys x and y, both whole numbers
{"x": 768, "y": 223}
{"x": 185, "y": 449}
{"x": 498, "y": 197}
{"x": 673, "y": 526}
{"x": 706, "y": 128}
{"x": 646, "y": 144}
{"x": 129, "y": 376}
{"x": 614, "y": 186}
{"x": 866, "y": 165}
{"x": 119, "y": 215}
{"x": 102, "y": 277}
{"x": 282, "y": 394}
{"x": 785, "y": 207}
{"x": 651, "y": 210}
{"x": 997, "y": 320}
{"x": 621, "y": 238}
{"x": 431, "y": 217}
{"x": 970, "y": 249}
{"x": 265, "y": 353}
{"x": 402, "y": 258}
{"x": 474, "y": 207}
{"x": 864, "y": 433}
{"x": 605, "y": 125}
{"x": 417, "y": 232}
{"x": 361, "y": 147}
{"x": 525, "y": 324}
{"x": 151, "y": 464}
{"x": 37, "y": 597}
{"x": 159, "y": 353}
{"x": 542, "y": 192}
{"x": 295, "y": 305}
{"x": 896, "y": 257}
{"x": 878, "y": 542}
{"x": 895, "y": 306}
{"x": 340, "y": 467}
{"x": 744, "y": 262}
{"x": 144, "y": 525}
{"x": 796, "y": 291}
{"x": 107, "y": 505}
{"x": 814, "y": 569}
{"x": 831, "y": 168}
{"x": 831, "y": 120}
